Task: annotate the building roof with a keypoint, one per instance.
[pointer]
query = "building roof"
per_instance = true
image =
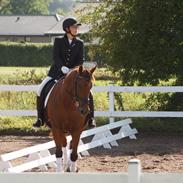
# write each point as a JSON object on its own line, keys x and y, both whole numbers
{"x": 57, "y": 29}
{"x": 32, "y": 25}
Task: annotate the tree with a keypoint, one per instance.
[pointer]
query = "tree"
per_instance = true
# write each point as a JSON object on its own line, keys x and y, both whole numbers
{"x": 142, "y": 40}
{"x": 3, "y": 3}
{"x": 25, "y": 7}
{"x": 60, "y": 6}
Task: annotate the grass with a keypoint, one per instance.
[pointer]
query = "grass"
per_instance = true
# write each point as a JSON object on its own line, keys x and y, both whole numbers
{"x": 12, "y": 70}
{"x": 27, "y": 100}
{"x": 22, "y": 75}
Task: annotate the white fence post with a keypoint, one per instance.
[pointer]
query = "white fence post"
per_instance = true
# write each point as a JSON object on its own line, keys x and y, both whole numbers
{"x": 111, "y": 103}
{"x": 134, "y": 171}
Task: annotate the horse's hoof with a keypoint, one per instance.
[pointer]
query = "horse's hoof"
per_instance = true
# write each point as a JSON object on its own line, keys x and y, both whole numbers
{"x": 77, "y": 169}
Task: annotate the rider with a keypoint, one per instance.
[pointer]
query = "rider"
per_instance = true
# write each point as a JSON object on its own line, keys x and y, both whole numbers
{"x": 67, "y": 53}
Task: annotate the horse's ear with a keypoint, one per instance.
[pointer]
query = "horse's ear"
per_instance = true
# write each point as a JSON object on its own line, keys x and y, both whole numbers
{"x": 80, "y": 69}
{"x": 93, "y": 69}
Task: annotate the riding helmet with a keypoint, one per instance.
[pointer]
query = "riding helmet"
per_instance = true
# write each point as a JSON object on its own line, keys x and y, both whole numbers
{"x": 69, "y": 22}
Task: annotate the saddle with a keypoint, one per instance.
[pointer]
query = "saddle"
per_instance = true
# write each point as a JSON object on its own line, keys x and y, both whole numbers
{"x": 44, "y": 98}
{"x": 46, "y": 89}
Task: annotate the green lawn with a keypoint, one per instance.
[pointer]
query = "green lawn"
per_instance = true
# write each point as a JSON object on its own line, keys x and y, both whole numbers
{"x": 11, "y": 70}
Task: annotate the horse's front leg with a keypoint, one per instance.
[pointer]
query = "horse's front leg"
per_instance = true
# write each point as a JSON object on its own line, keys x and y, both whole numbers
{"x": 62, "y": 159}
{"x": 58, "y": 155}
{"x": 61, "y": 143}
{"x": 74, "y": 153}
{"x": 65, "y": 158}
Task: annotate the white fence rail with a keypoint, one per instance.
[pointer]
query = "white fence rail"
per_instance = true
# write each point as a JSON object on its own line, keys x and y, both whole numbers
{"x": 111, "y": 113}
{"x": 134, "y": 175}
{"x": 39, "y": 155}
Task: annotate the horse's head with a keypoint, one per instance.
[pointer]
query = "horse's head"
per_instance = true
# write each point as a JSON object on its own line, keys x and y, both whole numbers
{"x": 81, "y": 87}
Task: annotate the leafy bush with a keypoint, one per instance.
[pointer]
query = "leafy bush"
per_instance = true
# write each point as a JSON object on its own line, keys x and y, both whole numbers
{"x": 25, "y": 54}
{"x": 37, "y": 54}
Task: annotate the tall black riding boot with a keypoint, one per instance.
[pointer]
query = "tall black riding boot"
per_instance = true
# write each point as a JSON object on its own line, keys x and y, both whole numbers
{"x": 39, "y": 121}
{"x": 90, "y": 117}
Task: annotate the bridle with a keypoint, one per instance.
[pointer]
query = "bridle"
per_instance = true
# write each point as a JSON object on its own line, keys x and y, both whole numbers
{"x": 78, "y": 100}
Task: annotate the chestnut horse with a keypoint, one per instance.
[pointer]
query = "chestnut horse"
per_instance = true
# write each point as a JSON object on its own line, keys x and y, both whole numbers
{"x": 67, "y": 109}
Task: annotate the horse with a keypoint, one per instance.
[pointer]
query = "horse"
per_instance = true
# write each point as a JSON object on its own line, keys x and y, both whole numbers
{"x": 67, "y": 109}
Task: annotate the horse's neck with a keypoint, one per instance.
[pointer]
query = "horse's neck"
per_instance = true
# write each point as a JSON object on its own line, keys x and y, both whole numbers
{"x": 68, "y": 87}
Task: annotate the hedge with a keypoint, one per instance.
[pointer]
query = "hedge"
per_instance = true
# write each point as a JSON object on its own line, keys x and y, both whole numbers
{"x": 35, "y": 54}
{"x": 25, "y": 54}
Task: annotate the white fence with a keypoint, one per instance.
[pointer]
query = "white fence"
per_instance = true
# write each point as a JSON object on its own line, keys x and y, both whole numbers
{"x": 134, "y": 175}
{"x": 39, "y": 155}
{"x": 111, "y": 113}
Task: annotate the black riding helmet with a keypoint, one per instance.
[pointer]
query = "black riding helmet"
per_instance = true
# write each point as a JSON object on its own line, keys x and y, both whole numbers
{"x": 69, "y": 22}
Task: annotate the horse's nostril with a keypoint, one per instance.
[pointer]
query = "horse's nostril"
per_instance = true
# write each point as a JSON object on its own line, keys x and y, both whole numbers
{"x": 83, "y": 111}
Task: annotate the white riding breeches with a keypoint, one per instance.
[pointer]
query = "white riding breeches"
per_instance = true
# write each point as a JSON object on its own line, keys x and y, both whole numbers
{"x": 43, "y": 83}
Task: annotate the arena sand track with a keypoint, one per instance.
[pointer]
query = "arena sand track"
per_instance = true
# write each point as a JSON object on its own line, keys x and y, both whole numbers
{"x": 157, "y": 153}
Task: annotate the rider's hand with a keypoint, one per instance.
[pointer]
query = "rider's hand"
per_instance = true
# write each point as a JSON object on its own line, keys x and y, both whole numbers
{"x": 64, "y": 69}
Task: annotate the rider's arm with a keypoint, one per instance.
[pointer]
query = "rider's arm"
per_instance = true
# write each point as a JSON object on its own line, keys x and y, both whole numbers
{"x": 80, "y": 56}
{"x": 56, "y": 53}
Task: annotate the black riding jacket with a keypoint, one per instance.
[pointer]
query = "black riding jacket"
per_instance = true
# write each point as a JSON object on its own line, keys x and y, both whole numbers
{"x": 65, "y": 54}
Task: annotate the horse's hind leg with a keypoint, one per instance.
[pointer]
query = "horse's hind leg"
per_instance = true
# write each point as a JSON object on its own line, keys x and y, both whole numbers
{"x": 61, "y": 143}
{"x": 74, "y": 154}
